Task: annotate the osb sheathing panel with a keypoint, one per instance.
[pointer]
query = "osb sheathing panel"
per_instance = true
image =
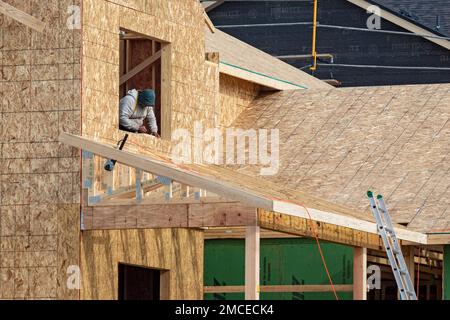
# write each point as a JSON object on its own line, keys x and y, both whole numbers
{"x": 336, "y": 145}
{"x": 193, "y": 83}
{"x": 39, "y": 186}
{"x": 235, "y": 96}
{"x": 178, "y": 250}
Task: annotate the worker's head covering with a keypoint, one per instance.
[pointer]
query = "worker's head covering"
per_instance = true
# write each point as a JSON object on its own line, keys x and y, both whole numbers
{"x": 147, "y": 97}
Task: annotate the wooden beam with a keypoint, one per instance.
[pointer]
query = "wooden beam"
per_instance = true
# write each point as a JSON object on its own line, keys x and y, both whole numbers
{"x": 360, "y": 273}
{"x": 434, "y": 239}
{"x": 280, "y": 288}
{"x": 127, "y": 62}
{"x": 166, "y": 92}
{"x": 140, "y": 67}
{"x": 252, "y": 263}
{"x": 209, "y": 23}
{"x": 256, "y": 78}
{"x": 408, "y": 255}
{"x": 22, "y": 17}
{"x": 130, "y": 192}
{"x": 145, "y": 216}
{"x": 424, "y": 268}
{"x": 165, "y": 285}
{"x": 239, "y": 233}
{"x": 160, "y": 200}
{"x": 294, "y": 209}
{"x": 153, "y": 66}
{"x": 302, "y": 227}
{"x": 221, "y": 214}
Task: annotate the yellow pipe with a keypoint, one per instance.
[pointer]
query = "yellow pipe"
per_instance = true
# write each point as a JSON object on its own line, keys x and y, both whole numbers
{"x": 314, "y": 52}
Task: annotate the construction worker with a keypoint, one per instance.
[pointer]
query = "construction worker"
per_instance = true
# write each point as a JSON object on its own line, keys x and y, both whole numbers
{"x": 136, "y": 112}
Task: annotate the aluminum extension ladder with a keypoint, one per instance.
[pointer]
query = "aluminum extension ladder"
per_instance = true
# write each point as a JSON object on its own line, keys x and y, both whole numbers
{"x": 393, "y": 250}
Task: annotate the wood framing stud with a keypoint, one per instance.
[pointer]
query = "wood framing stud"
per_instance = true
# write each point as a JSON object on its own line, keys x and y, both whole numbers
{"x": 252, "y": 263}
{"x": 209, "y": 23}
{"x": 446, "y": 274}
{"x": 408, "y": 254}
{"x": 166, "y": 85}
{"x": 140, "y": 67}
{"x": 139, "y": 191}
{"x": 360, "y": 273}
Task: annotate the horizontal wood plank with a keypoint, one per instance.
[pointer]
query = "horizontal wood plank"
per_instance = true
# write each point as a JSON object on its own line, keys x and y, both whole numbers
{"x": 280, "y": 288}
{"x": 145, "y": 216}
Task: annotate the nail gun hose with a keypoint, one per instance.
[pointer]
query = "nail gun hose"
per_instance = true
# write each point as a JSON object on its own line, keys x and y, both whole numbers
{"x": 122, "y": 144}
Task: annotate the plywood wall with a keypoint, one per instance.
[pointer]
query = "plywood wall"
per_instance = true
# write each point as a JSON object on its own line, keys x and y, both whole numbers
{"x": 67, "y": 79}
{"x": 39, "y": 193}
{"x": 235, "y": 95}
{"x": 178, "y": 250}
{"x": 179, "y": 24}
{"x": 193, "y": 93}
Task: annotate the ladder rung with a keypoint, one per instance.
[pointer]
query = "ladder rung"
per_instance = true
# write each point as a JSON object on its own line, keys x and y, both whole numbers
{"x": 402, "y": 271}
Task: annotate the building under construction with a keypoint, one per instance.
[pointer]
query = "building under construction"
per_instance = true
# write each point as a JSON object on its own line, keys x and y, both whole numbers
{"x": 295, "y": 224}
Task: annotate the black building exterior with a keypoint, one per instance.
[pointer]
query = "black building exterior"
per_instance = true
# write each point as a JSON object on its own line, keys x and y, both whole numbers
{"x": 346, "y": 46}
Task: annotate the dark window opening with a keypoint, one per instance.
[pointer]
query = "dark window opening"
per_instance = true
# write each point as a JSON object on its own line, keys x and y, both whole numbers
{"x": 136, "y": 49}
{"x": 137, "y": 283}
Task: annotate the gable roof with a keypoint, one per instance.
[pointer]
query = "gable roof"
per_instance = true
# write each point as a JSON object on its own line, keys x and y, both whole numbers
{"x": 241, "y": 60}
{"x": 339, "y": 144}
{"x": 416, "y": 16}
{"x": 401, "y": 21}
{"x": 424, "y": 13}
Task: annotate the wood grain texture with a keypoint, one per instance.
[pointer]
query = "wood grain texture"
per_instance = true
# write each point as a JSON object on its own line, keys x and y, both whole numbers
{"x": 360, "y": 273}
{"x": 147, "y": 216}
{"x": 392, "y": 140}
{"x": 177, "y": 251}
{"x": 325, "y": 231}
{"x": 39, "y": 178}
{"x": 21, "y": 17}
{"x": 252, "y": 263}
{"x": 242, "y": 60}
{"x": 234, "y": 185}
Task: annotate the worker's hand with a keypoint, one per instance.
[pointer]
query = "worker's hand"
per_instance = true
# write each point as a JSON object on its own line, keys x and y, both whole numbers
{"x": 143, "y": 129}
{"x": 155, "y": 134}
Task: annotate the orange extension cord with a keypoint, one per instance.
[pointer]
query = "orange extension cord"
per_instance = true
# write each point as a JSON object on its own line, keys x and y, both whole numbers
{"x": 316, "y": 235}
{"x": 319, "y": 247}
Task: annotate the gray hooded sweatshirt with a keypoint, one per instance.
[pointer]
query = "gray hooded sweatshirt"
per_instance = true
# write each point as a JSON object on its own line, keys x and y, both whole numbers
{"x": 132, "y": 114}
